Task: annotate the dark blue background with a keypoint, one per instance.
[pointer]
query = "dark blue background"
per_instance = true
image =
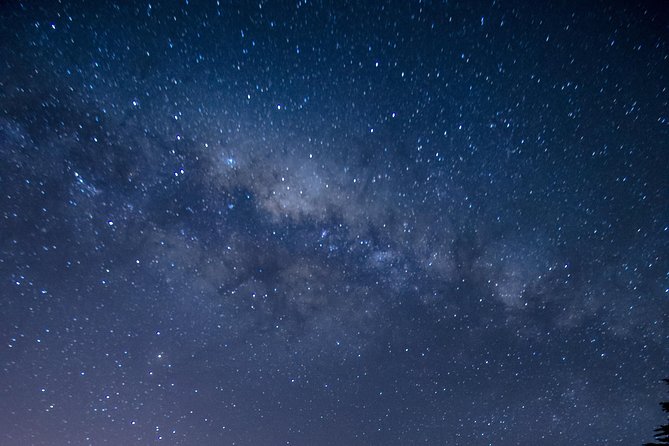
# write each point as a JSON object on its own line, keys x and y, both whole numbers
{"x": 225, "y": 223}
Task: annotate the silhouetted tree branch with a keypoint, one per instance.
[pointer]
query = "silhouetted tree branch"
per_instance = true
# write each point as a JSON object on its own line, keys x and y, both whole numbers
{"x": 662, "y": 432}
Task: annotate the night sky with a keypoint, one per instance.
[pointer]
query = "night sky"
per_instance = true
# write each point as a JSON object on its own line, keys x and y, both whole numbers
{"x": 338, "y": 224}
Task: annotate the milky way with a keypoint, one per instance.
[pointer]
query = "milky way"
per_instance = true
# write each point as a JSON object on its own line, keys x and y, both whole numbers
{"x": 333, "y": 224}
